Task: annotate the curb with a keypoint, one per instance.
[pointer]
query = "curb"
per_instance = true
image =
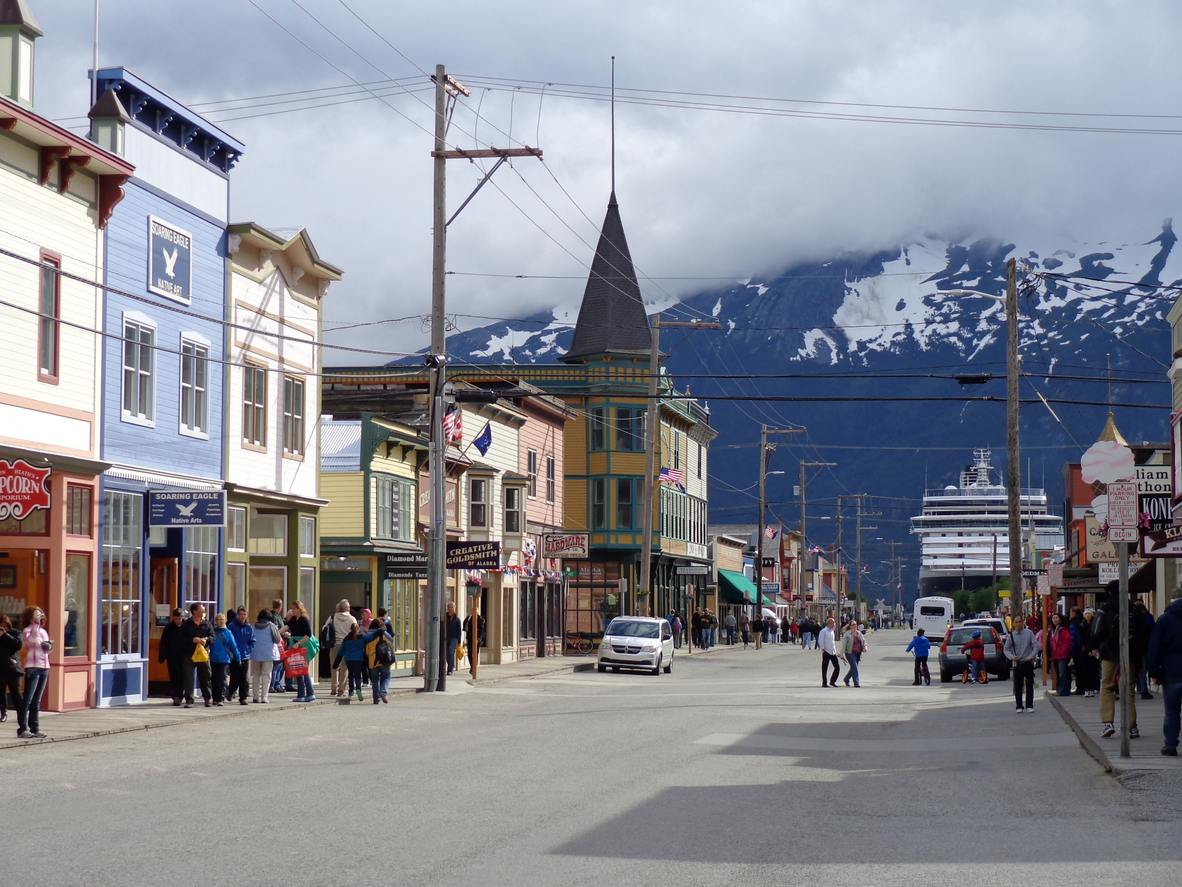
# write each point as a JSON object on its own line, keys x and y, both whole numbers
{"x": 1090, "y": 745}
{"x": 572, "y": 668}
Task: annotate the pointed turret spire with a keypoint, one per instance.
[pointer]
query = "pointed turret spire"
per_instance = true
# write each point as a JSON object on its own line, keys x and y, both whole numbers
{"x": 1110, "y": 432}
{"x": 612, "y": 317}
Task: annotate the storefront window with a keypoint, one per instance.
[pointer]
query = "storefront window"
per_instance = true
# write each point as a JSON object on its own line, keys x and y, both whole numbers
{"x": 529, "y": 614}
{"x": 507, "y": 620}
{"x": 33, "y": 525}
{"x": 307, "y": 536}
{"x": 235, "y": 595}
{"x": 307, "y": 585}
{"x": 268, "y": 584}
{"x": 593, "y": 597}
{"x": 404, "y": 610}
{"x": 268, "y": 533}
{"x": 123, "y": 539}
{"x": 78, "y": 510}
{"x": 236, "y": 528}
{"x": 22, "y": 582}
{"x": 201, "y": 557}
{"x": 77, "y": 599}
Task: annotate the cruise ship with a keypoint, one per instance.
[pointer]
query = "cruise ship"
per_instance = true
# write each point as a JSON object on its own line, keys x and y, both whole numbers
{"x": 963, "y": 531}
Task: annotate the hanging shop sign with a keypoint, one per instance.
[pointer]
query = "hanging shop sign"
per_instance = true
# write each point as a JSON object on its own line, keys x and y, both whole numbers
{"x": 565, "y": 545}
{"x": 406, "y": 565}
{"x": 771, "y": 589}
{"x": 23, "y": 489}
{"x": 473, "y": 555}
{"x": 1163, "y": 543}
{"x": 692, "y": 570}
{"x": 186, "y": 508}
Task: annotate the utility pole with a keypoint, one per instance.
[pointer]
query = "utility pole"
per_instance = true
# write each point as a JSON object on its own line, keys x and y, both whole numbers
{"x": 858, "y": 566}
{"x": 435, "y": 668}
{"x": 804, "y": 542}
{"x": 652, "y": 426}
{"x": 765, "y": 454}
{"x": 1013, "y": 457}
{"x": 893, "y": 543}
{"x": 862, "y": 514}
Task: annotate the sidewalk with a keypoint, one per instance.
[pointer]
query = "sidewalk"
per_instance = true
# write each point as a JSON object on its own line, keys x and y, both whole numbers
{"x": 1083, "y": 716}
{"x": 88, "y": 723}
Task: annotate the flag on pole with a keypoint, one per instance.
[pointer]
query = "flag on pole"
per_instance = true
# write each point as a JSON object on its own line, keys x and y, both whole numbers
{"x": 671, "y": 476}
{"x": 484, "y": 439}
{"x": 770, "y": 531}
{"x": 453, "y": 426}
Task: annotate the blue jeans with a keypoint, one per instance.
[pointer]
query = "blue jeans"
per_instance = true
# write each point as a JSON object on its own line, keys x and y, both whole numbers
{"x": 1063, "y": 674}
{"x": 806, "y": 639}
{"x": 452, "y": 643}
{"x": 851, "y": 661}
{"x": 29, "y": 716}
{"x": 1172, "y": 723}
{"x": 379, "y": 679}
{"x": 277, "y": 676}
{"x": 303, "y": 686}
{"x": 730, "y": 636}
{"x": 978, "y": 669}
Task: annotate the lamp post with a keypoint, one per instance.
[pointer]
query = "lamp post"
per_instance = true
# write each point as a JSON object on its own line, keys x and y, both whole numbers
{"x": 1013, "y": 456}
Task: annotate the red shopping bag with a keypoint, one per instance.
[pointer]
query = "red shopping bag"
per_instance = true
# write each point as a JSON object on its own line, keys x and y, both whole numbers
{"x": 295, "y": 663}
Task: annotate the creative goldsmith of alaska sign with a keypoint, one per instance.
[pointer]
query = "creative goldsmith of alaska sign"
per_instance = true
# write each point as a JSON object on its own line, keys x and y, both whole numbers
{"x": 23, "y": 489}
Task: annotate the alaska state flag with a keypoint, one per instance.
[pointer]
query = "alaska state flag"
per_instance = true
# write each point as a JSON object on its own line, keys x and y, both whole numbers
{"x": 484, "y": 440}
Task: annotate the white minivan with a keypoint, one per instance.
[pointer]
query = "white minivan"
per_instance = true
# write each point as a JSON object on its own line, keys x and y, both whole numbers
{"x": 636, "y": 642}
{"x": 933, "y": 615}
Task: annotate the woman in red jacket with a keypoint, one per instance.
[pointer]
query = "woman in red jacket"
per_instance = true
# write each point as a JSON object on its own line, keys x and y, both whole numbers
{"x": 1059, "y": 644}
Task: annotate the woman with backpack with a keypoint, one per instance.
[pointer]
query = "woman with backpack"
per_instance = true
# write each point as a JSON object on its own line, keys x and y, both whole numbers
{"x": 222, "y": 653}
{"x": 352, "y": 651}
{"x": 379, "y": 653}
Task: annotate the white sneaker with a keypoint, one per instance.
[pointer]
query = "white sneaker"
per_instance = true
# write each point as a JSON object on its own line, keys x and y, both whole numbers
{"x": 1019, "y": 710}
{"x": 1031, "y": 709}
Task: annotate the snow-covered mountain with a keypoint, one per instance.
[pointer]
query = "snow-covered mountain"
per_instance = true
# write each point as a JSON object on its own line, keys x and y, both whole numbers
{"x": 843, "y": 327}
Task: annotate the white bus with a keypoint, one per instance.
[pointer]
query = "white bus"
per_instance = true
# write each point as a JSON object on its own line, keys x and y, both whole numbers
{"x": 933, "y": 615}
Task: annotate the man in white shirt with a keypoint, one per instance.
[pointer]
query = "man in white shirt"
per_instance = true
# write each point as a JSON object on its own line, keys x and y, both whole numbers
{"x": 827, "y": 641}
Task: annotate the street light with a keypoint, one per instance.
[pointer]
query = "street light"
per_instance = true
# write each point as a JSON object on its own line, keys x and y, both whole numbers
{"x": 1013, "y": 457}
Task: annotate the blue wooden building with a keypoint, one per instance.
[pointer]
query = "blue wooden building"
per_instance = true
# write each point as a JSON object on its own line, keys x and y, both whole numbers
{"x": 165, "y": 314}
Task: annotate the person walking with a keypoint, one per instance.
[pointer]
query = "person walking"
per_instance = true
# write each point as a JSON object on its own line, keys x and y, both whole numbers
{"x": 379, "y": 653}
{"x": 268, "y": 644}
{"x": 352, "y": 651}
{"x": 794, "y": 629}
{"x": 452, "y": 632}
{"x": 342, "y": 623}
{"x": 729, "y": 622}
{"x": 11, "y": 671}
{"x": 1060, "y": 651}
{"x": 827, "y": 641}
{"x": 1090, "y": 663}
{"x": 223, "y": 654}
{"x": 300, "y": 626}
{"x": 172, "y": 652}
{"x": 1163, "y": 662}
{"x": 1106, "y": 631}
{"x": 696, "y": 628}
{"x": 1140, "y": 611}
{"x": 757, "y": 630}
{"x": 808, "y": 633}
{"x": 275, "y": 615}
{"x": 1021, "y": 649}
{"x": 1079, "y": 628}
{"x": 475, "y": 638}
{"x": 853, "y": 645}
{"x": 711, "y": 629}
{"x": 37, "y": 645}
{"x": 920, "y": 647}
{"x": 196, "y": 638}
{"x": 240, "y": 670}
{"x": 745, "y": 629}
{"x": 675, "y": 624}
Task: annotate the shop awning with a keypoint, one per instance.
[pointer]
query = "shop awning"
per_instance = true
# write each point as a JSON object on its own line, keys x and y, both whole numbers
{"x": 735, "y": 588}
{"x": 769, "y": 601}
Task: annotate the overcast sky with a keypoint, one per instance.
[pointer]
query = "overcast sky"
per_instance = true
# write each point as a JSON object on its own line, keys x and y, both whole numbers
{"x": 703, "y": 194}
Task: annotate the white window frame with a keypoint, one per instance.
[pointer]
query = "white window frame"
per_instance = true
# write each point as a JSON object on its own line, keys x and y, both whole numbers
{"x": 198, "y": 342}
{"x": 484, "y": 484}
{"x": 293, "y": 424}
{"x": 307, "y": 534}
{"x": 513, "y": 491}
{"x": 235, "y": 520}
{"x": 551, "y": 480}
{"x": 531, "y": 470}
{"x": 254, "y": 406}
{"x": 141, "y": 322}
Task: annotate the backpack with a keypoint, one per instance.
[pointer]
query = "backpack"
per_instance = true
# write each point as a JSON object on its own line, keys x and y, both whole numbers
{"x": 382, "y": 653}
{"x": 328, "y": 635}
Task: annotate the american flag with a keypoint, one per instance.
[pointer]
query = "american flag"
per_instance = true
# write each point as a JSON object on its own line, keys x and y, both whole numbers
{"x": 672, "y": 475}
{"x": 770, "y": 531}
{"x": 453, "y": 426}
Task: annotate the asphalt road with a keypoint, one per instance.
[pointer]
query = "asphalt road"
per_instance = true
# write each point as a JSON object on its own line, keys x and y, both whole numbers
{"x": 736, "y": 769}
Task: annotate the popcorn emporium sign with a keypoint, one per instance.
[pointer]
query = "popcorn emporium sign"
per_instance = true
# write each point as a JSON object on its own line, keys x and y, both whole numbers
{"x": 23, "y": 489}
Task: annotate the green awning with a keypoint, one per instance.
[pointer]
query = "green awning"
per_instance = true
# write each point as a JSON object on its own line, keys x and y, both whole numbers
{"x": 735, "y": 588}
{"x": 768, "y": 601}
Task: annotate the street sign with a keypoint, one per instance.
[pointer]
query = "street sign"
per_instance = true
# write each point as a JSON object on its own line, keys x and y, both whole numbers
{"x": 187, "y": 508}
{"x": 693, "y": 570}
{"x": 1044, "y": 585}
{"x": 406, "y": 565}
{"x": 1106, "y": 573}
{"x": 1122, "y": 508}
{"x": 1164, "y": 543}
{"x": 1055, "y": 574}
{"x": 771, "y": 589}
{"x": 1123, "y": 534}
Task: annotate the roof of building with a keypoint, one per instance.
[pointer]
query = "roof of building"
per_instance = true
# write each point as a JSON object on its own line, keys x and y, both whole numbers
{"x": 612, "y": 317}
{"x": 17, "y": 12}
{"x": 340, "y": 445}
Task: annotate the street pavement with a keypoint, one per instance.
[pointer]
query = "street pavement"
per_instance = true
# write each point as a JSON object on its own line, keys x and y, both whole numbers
{"x": 739, "y": 768}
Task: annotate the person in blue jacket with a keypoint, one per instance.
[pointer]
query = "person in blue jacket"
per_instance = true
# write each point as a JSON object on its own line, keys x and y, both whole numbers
{"x": 352, "y": 651}
{"x": 243, "y": 633}
{"x": 921, "y": 647}
{"x": 1164, "y": 664}
{"x": 223, "y": 652}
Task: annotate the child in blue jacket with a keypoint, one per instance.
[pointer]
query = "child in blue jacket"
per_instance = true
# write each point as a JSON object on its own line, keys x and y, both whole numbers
{"x": 921, "y": 646}
{"x": 352, "y": 651}
{"x": 222, "y": 652}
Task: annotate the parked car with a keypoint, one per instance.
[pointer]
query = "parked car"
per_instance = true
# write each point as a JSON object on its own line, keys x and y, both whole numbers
{"x": 640, "y": 642}
{"x": 953, "y": 662}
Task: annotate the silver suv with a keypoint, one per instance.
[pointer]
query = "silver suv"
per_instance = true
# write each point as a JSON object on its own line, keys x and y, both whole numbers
{"x": 640, "y": 642}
